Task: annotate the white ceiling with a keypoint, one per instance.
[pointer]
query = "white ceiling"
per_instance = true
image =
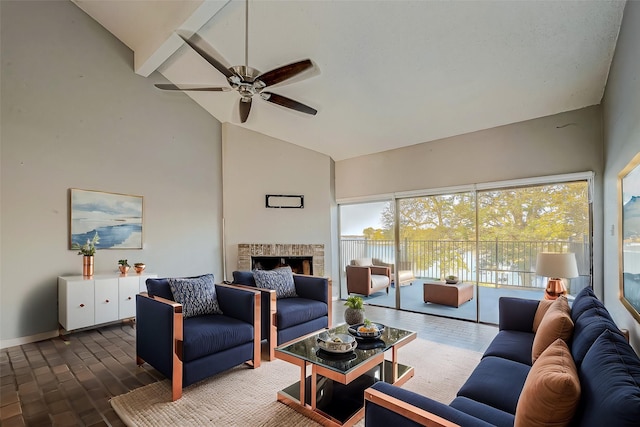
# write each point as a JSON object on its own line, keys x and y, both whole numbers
{"x": 389, "y": 73}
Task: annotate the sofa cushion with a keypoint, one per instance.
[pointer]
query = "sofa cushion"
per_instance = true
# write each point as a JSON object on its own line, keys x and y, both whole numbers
{"x": 493, "y": 416}
{"x": 294, "y": 311}
{"x": 379, "y": 281}
{"x": 588, "y": 327}
{"x": 610, "y": 381}
{"x": 197, "y": 295}
{"x": 584, "y": 300}
{"x": 209, "y": 334}
{"x": 543, "y": 306}
{"x": 555, "y": 324}
{"x": 552, "y": 390}
{"x": 496, "y": 382}
{"x": 279, "y": 279}
{"x": 362, "y": 262}
{"x": 512, "y": 345}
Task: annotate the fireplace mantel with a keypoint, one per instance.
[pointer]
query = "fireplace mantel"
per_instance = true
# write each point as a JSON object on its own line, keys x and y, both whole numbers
{"x": 248, "y": 250}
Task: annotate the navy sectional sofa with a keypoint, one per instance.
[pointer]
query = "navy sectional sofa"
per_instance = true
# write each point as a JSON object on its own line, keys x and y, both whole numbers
{"x": 607, "y": 367}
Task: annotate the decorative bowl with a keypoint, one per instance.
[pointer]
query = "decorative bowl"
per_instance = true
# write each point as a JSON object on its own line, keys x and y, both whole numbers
{"x": 139, "y": 267}
{"x": 356, "y": 331}
{"x": 451, "y": 280}
{"x": 336, "y": 343}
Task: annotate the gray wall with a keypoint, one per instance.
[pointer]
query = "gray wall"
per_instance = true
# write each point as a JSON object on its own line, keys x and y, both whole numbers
{"x": 622, "y": 142}
{"x": 256, "y": 165}
{"x": 74, "y": 115}
{"x": 559, "y": 144}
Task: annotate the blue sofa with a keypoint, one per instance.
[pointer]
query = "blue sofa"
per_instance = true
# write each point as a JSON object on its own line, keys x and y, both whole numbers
{"x": 285, "y": 319}
{"x": 607, "y": 367}
{"x": 187, "y": 350}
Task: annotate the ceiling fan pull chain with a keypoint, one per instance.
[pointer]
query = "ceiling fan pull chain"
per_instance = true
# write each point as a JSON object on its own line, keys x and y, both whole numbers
{"x": 246, "y": 34}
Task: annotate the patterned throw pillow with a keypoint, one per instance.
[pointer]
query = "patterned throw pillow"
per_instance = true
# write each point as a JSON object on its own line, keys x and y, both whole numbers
{"x": 279, "y": 279}
{"x": 197, "y": 295}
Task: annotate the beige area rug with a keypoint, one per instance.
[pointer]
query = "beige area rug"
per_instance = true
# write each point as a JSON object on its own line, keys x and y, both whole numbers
{"x": 247, "y": 397}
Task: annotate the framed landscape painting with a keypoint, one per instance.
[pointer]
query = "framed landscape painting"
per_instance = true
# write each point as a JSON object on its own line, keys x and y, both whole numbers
{"x": 629, "y": 193}
{"x": 117, "y": 218}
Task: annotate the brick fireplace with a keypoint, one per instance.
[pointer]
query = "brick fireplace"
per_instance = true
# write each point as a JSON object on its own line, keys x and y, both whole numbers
{"x": 248, "y": 251}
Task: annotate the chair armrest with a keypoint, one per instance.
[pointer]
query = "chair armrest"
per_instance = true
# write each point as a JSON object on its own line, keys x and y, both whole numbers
{"x": 238, "y": 302}
{"x": 159, "y": 337}
{"x": 516, "y": 314}
{"x": 382, "y": 271}
{"x": 386, "y": 405}
{"x": 313, "y": 287}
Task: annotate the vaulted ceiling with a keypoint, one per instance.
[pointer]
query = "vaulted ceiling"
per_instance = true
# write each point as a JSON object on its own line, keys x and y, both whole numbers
{"x": 386, "y": 74}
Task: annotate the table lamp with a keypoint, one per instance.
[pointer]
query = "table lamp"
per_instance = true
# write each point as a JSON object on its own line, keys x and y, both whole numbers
{"x": 556, "y": 266}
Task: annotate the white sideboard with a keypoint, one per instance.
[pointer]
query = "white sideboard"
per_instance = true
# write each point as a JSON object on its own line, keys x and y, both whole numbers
{"x": 89, "y": 301}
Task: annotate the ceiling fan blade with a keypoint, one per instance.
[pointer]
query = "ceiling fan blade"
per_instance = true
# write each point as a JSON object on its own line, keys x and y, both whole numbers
{"x": 199, "y": 88}
{"x": 285, "y": 72}
{"x": 245, "y": 108}
{"x": 198, "y": 44}
{"x": 288, "y": 103}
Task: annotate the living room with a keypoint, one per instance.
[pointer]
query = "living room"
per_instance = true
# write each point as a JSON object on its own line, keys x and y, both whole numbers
{"x": 75, "y": 115}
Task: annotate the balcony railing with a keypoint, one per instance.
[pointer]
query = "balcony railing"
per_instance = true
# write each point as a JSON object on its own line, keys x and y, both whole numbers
{"x": 497, "y": 263}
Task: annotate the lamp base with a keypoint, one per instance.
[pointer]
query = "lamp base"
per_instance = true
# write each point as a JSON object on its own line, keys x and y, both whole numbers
{"x": 555, "y": 288}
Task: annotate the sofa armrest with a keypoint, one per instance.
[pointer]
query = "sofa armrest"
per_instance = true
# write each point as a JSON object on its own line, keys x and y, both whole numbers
{"x": 516, "y": 314}
{"x": 382, "y": 271}
{"x": 159, "y": 337}
{"x": 386, "y": 405}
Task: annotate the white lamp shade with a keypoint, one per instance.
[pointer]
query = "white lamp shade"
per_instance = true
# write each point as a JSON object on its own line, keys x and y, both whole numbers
{"x": 556, "y": 265}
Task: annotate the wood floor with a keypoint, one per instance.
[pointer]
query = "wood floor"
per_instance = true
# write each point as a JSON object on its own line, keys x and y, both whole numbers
{"x": 68, "y": 382}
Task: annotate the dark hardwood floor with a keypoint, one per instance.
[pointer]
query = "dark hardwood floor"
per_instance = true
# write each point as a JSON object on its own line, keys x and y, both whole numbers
{"x": 68, "y": 382}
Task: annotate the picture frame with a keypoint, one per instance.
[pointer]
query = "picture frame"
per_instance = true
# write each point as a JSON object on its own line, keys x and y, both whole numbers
{"x": 629, "y": 236}
{"x": 117, "y": 218}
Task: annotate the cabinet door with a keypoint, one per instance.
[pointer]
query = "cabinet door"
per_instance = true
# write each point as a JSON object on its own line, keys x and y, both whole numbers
{"x": 76, "y": 304}
{"x": 106, "y": 300}
{"x": 127, "y": 290}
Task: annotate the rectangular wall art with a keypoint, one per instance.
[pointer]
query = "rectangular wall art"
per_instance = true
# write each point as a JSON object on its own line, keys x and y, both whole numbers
{"x": 117, "y": 218}
{"x": 629, "y": 191}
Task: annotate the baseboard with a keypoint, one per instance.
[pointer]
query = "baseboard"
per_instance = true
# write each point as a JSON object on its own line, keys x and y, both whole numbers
{"x": 27, "y": 340}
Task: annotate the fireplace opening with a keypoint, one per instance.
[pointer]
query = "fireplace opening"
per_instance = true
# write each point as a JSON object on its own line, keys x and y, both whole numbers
{"x": 298, "y": 264}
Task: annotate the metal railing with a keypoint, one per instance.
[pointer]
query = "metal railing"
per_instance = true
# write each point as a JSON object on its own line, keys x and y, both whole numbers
{"x": 499, "y": 262}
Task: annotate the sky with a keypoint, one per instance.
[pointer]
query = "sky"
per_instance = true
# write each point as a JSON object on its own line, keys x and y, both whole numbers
{"x": 355, "y": 218}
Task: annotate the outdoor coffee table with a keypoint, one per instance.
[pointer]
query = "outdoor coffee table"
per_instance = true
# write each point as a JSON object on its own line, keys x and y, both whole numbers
{"x": 333, "y": 394}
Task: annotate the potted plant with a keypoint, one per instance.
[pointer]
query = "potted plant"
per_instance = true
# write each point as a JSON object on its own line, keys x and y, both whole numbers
{"x": 124, "y": 266}
{"x": 87, "y": 251}
{"x": 354, "y": 313}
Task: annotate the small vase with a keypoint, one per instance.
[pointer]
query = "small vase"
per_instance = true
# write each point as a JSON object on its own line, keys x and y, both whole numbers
{"x": 87, "y": 265}
{"x": 353, "y": 316}
{"x": 139, "y": 268}
{"x": 124, "y": 269}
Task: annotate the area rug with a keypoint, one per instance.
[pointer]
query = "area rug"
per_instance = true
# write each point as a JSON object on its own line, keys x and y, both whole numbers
{"x": 247, "y": 397}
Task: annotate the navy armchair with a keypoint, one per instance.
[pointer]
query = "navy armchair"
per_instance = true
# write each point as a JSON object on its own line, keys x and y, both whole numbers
{"x": 285, "y": 319}
{"x": 187, "y": 350}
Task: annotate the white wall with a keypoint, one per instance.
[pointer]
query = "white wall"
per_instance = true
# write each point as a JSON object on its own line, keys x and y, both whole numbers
{"x": 74, "y": 115}
{"x": 255, "y": 165}
{"x": 622, "y": 142}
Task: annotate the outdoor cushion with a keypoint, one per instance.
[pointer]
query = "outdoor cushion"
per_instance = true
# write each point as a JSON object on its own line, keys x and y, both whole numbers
{"x": 552, "y": 390}
{"x": 279, "y": 279}
{"x": 587, "y": 329}
{"x": 362, "y": 262}
{"x": 494, "y": 416}
{"x": 512, "y": 345}
{"x": 209, "y": 334}
{"x": 293, "y": 311}
{"x": 496, "y": 382}
{"x": 197, "y": 295}
{"x": 610, "y": 381}
{"x": 379, "y": 281}
{"x": 555, "y": 324}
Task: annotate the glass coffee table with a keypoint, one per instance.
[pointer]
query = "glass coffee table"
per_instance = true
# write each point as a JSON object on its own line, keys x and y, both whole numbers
{"x": 333, "y": 394}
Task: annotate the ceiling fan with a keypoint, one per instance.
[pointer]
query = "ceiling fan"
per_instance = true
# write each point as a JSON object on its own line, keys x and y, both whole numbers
{"x": 246, "y": 80}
